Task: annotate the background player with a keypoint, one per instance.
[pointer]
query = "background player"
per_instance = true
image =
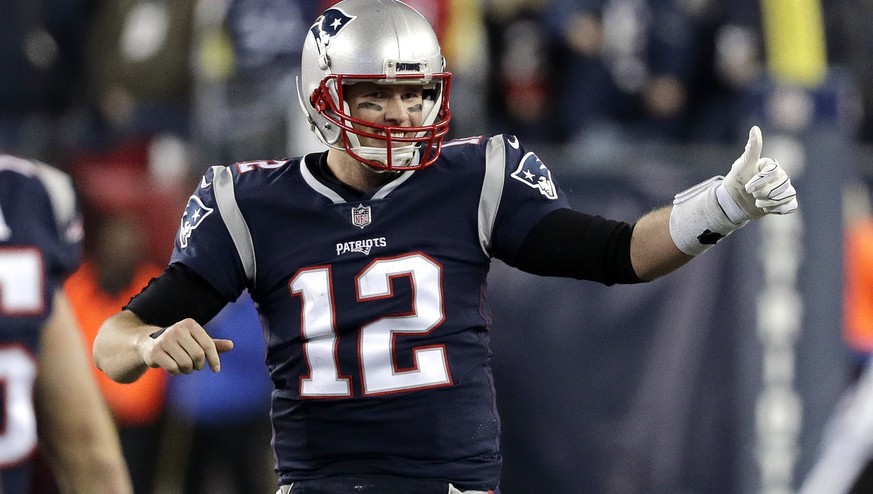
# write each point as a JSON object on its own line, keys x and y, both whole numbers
{"x": 368, "y": 264}
{"x": 49, "y": 397}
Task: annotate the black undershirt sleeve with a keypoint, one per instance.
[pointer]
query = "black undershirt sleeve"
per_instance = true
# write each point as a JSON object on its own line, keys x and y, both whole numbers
{"x": 178, "y": 293}
{"x": 564, "y": 243}
{"x": 571, "y": 244}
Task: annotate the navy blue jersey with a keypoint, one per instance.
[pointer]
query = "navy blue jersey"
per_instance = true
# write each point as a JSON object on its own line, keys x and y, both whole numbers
{"x": 40, "y": 234}
{"x": 373, "y": 306}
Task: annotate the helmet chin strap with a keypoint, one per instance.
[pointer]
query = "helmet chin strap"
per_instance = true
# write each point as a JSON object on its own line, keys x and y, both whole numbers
{"x": 373, "y": 169}
{"x": 402, "y": 156}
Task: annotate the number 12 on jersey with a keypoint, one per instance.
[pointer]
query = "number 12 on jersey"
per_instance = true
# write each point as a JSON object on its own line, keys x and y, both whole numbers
{"x": 376, "y": 341}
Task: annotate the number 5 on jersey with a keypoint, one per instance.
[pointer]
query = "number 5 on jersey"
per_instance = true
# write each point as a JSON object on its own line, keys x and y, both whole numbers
{"x": 21, "y": 295}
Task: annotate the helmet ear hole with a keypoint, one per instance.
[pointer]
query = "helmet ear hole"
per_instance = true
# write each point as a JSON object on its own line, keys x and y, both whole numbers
{"x": 331, "y": 133}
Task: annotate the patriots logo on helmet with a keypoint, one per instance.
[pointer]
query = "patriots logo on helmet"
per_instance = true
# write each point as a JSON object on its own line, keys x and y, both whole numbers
{"x": 330, "y": 23}
{"x": 195, "y": 213}
{"x": 533, "y": 173}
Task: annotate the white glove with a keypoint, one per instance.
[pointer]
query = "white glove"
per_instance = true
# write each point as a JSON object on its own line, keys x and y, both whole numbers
{"x": 712, "y": 209}
{"x": 756, "y": 186}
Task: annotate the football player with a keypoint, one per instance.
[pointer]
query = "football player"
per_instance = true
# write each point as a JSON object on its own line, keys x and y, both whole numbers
{"x": 49, "y": 399}
{"x": 368, "y": 264}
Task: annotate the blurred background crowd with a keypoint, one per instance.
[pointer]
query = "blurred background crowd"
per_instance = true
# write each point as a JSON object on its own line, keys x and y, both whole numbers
{"x": 179, "y": 85}
{"x": 137, "y": 98}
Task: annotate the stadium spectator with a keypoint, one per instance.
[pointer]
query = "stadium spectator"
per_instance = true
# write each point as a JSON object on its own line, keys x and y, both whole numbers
{"x": 42, "y": 86}
{"x": 633, "y": 60}
{"x": 728, "y": 59}
{"x": 849, "y": 46}
{"x": 246, "y": 54}
{"x": 657, "y": 69}
{"x": 115, "y": 268}
{"x": 138, "y": 76}
{"x": 137, "y": 91}
{"x": 368, "y": 264}
{"x": 522, "y": 81}
{"x": 50, "y": 399}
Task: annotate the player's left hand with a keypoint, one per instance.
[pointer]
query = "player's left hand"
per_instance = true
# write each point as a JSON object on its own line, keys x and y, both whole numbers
{"x": 183, "y": 348}
{"x": 757, "y": 185}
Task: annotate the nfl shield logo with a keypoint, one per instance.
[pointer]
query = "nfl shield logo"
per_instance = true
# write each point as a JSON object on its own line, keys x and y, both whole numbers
{"x": 361, "y": 216}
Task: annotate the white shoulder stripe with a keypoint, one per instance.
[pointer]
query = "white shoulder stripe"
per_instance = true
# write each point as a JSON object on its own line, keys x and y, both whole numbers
{"x": 393, "y": 184}
{"x": 492, "y": 190}
{"x": 233, "y": 219}
{"x": 318, "y": 186}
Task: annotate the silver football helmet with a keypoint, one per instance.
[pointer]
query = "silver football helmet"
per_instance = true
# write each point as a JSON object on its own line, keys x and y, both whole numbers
{"x": 381, "y": 41}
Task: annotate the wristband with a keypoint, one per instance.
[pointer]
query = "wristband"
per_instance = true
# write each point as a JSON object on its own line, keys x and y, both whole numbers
{"x": 698, "y": 219}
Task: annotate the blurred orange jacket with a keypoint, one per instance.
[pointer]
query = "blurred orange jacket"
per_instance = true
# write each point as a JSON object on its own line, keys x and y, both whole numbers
{"x": 138, "y": 403}
{"x": 858, "y": 313}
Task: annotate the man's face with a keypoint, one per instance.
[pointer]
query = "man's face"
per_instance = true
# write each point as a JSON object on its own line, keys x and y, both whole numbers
{"x": 390, "y": 105}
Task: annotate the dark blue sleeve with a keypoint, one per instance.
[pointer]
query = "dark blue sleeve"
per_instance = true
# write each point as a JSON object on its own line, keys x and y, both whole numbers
{"x": 530, "y": 192}
{"x": 63, "y": 248}
{"x": 204, "y": 244}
